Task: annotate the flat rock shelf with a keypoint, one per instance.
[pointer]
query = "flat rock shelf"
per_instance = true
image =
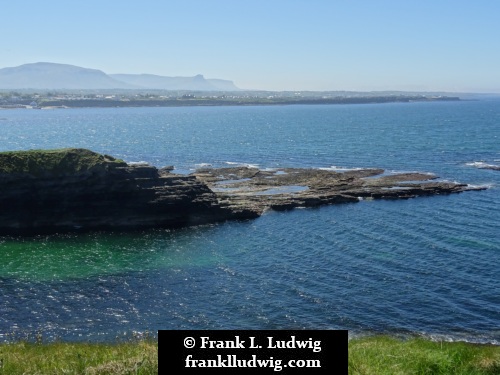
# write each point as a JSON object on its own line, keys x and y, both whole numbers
{"x": 287, "y": 188}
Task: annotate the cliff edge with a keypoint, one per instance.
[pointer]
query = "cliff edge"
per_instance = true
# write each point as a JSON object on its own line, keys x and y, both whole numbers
{"x": 47, "y": 191}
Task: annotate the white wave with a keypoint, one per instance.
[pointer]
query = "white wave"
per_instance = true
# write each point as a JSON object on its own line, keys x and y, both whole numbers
{"x": 481, "y": 186}
{"x": 138, "y": 163}
{"x": 340, "y": 169}
{"x": 394, "y": 172}
{"x": 482, "y": 164}
{"x": 248, "y": 165}
{"x": 203, "y": 165}
{"x": 460, "y": 338}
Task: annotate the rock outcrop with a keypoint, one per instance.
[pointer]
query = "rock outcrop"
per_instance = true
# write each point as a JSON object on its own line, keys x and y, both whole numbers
{"x": 78, "y": 190}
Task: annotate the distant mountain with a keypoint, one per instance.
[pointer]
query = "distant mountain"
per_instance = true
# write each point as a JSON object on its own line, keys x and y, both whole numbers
{"x": 196, "y": 83}
{"x": 50, "y": 76}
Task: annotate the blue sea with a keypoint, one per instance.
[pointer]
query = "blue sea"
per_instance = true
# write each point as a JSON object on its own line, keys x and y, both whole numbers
{"x": 425, "y": 266}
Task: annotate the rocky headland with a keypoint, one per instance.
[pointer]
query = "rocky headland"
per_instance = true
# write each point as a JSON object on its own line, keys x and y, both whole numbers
{"x": 49, "y": 191}
{"x": 77, "y": 189}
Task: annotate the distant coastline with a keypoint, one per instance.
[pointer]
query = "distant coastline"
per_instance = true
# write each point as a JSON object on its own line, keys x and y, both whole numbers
{"x": 189, "y": 100}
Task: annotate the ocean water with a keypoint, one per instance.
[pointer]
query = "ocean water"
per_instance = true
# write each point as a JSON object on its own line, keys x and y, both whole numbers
{"x": 425, "y": 266}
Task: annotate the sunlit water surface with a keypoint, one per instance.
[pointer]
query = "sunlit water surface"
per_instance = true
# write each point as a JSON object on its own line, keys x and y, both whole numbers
{"x": 426, "y": 265}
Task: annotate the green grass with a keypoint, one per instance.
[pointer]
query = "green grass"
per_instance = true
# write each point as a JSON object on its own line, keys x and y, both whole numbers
{"x": 378, "y": 355}
{"x": 79, "y": 358}
{"x": 385, "y": 355}
{"x": 55, "y": 162}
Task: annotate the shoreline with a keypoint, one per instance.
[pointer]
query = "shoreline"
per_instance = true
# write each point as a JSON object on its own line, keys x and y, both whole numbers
{"x": 203, "y": 101}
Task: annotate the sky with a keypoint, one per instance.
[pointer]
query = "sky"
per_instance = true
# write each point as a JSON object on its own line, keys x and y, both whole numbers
{"x": 276, "y": 45}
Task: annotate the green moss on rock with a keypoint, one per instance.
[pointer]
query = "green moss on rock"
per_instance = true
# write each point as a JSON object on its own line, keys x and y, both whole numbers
{"x": 40, "y": 163}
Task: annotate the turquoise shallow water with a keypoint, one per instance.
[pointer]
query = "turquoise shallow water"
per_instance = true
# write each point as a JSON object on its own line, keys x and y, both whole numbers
{"x": 426, "y": 265}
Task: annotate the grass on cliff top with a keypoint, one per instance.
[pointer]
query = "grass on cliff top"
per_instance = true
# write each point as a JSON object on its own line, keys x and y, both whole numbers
{"x": 385, "y": 355}
{"x": 378, "y": 355}
{"x": 79, "y": 358}
{"x": 55, "y": 162}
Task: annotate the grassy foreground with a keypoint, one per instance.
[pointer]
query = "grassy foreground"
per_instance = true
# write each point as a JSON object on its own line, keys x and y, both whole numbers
{"x": 79, "y": 358}
{"x": 385, "y": 355}
{"x": 372, "y": 355}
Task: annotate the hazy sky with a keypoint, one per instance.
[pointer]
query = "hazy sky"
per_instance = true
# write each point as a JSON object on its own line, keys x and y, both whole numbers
{"x": 439, "y": 45}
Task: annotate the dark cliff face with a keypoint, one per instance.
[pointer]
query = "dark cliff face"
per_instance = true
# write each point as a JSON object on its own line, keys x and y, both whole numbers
{"x": 77, "y": 189}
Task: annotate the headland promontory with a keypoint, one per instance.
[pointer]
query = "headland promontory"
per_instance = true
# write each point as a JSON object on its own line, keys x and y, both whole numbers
{"x": 52, "y": 191}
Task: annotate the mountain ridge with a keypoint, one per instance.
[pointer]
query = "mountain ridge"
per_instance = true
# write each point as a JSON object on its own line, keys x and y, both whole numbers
{"x": 50, "y": 76}
{"x": 197, "y": 82}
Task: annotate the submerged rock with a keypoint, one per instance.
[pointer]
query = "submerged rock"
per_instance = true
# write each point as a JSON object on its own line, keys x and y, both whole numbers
{"x": 47, "y": 191}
